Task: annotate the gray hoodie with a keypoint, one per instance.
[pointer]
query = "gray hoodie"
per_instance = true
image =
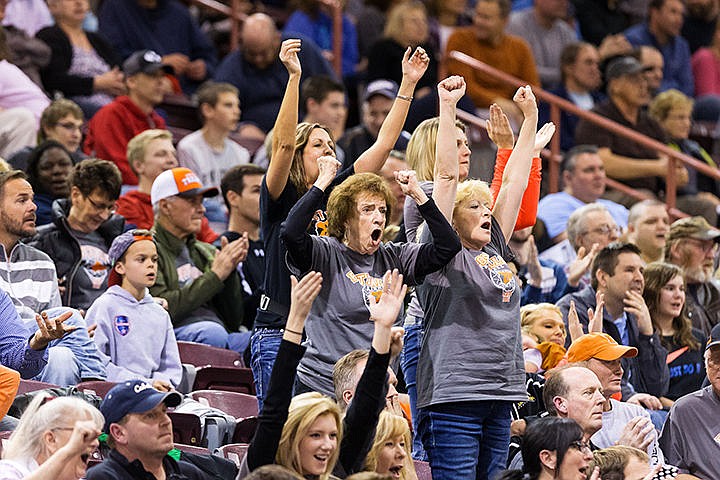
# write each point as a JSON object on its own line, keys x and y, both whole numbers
{"x": 135, "y": 338}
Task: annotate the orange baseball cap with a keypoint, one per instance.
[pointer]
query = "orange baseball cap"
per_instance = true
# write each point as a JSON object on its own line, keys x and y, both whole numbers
{"x": 598, "y": 345}
{"x": 179, "y": 181}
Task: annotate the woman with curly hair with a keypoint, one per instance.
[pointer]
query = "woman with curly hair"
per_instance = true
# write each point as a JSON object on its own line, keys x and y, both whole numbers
{"x": 664, "y": 295}
{"x": 292, "y": 171}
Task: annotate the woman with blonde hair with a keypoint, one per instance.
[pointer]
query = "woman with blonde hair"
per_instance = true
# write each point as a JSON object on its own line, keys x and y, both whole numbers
{"x": 698, "y": 195}
{"x": 465, "y": 388}
{"x": 54, "y": 439}
{"x": 390, "y": 451}
{"x": 292, "y": 172}
{"x": 305, "y": 433}
{"x": 543, "y": 336}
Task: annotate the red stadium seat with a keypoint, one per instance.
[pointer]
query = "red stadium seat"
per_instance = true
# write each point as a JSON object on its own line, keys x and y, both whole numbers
{"x": 98, "y": 387}
{"x": 229, "y": 379}
{"x": 203, "y": 355}
{"x": 235, "y": 452}
{"x": 423, "y": 470}
{"x": 33, "y": 385}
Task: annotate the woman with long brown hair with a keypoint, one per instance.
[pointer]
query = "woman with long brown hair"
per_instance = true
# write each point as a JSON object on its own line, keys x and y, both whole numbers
{"x": 664, "y": 295}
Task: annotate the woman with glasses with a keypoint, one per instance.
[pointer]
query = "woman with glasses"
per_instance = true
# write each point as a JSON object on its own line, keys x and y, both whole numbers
{"x": 54, "y": 439}
{"x": 553, "y": 449}
{"x": 82, "y": 230}
{"x": 664, "y": 295}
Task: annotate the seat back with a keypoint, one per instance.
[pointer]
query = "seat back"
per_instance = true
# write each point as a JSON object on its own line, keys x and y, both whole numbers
{"x": 230, "y": 379}
{"x": 239, "y": 405}
{"x": 423, "y": 470}
{"x": 98, "y": 387}
{"x": 202, "y": 355}
{"x": 33, "y": 385}
{"x": 186, "y": 428}
{"x": 234, "y": 451}
{"x": 245, "y": 430}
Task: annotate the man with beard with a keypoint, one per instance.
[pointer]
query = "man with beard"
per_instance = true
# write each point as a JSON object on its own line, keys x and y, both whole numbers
{"x": 648, "y": 224}
{"x": 29, "y": 278}
{"x": 692, "y": 245}
{"x": 617, "y": 277}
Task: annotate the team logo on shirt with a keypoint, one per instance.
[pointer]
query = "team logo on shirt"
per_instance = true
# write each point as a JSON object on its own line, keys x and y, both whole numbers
{"x": 321, "y": 224}
{"x": 122, "y": 325}
{"x": 371, "y": 286}
{"x": 500, "y": 274}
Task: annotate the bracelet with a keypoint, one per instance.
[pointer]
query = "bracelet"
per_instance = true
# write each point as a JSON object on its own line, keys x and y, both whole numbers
{"x": 404, "y": 97}
{"x": 293, "y": 331}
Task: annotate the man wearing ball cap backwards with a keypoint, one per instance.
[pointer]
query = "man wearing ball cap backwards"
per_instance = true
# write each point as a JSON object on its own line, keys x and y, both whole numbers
{"x": 691, "y": 435}
{"x": 200, "y": 283}
{"x": 622, "y": 423}
{"x": 140, "y": 435}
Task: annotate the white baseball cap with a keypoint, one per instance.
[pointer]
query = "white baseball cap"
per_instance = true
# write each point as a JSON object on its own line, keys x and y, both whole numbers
{"x": 179, "y": 181}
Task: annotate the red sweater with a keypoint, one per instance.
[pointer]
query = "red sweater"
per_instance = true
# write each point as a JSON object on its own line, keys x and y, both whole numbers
{"x": 528, "y": 207}
{"x": 112, "y": 127}
{"x": 135, "y": 206}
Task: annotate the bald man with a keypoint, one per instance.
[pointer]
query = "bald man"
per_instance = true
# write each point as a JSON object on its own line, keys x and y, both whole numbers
{"x": 256, "y": 63}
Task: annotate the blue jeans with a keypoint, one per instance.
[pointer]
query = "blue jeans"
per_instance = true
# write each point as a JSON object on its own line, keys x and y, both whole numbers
{"x": 466, "y": 440}
{"x": 73, "y": 357}
{"x": 213, "y": 334}
{"x": 264, "y": 346}
{"x": 408, "y": 362}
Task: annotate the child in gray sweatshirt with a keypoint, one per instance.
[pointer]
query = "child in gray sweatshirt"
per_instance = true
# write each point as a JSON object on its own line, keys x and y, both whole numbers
{"x": 134, "y": 333}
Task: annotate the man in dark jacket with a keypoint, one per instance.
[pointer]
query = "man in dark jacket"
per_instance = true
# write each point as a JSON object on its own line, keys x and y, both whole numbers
{"x": 140, "y": 435}
{"x": 617, "y": 274}
{"x": 200, "y": 283}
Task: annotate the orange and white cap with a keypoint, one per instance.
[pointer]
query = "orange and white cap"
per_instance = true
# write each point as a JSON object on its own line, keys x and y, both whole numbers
{"x": 179, "y": 181}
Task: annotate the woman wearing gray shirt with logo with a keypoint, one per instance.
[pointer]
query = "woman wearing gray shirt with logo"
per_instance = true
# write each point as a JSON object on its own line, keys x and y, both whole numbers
{"x": 471, "y": 367}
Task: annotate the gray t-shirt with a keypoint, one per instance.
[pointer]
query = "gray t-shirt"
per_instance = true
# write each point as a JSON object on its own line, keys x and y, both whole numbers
{"x": 691, "y": 435}
{"x": 471, "y": 349}
{"x": 187, "y": 272}
{"x": 613, "y": 423}
{"x": 339, "y": 319}
{"x": 90, "y": 280}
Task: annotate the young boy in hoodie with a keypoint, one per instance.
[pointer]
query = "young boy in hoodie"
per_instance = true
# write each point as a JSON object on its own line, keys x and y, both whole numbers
{"x": 134, "y": 333}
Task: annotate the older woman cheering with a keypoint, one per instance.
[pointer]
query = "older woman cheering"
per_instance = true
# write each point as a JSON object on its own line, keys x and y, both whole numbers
{"x": 353, "y": 259}
{"x": 471, "y": 366}
{"x": 54, "y": 439}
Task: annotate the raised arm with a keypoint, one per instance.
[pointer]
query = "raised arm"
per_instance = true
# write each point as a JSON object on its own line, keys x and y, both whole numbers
{"x": 369, "y": 399}
{"x": 294, "y": 230}
{"x": 445, "y": 175}
{"x": 517, "y": 170}
{"x": 283, "y": 144}
{"x": 413, "y": 68}
{"x": 264, "y": 445}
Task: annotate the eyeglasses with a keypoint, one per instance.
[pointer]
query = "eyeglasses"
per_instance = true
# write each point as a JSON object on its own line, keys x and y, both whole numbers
{"x": 605, "y": 230}
{"x": 580, "y": 446}
{"x": 69, "y": 125}
{"x": 100, "y": 207}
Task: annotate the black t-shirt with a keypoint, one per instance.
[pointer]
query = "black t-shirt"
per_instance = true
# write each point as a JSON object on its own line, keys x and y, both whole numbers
{"x": 252, "y": 273}
{"x": 276, "y": 284}
{"x": 687, "y": 369}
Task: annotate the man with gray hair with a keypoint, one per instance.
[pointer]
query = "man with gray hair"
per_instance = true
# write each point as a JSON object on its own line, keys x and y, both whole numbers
{"x": 648, "y": 224}
{"x": 200, "y": 284}
{"x": 589, "y": 228}
{"x": 690, "y": 435}
{"x": 583, "y": 175}
{"x": 692, "y": 244}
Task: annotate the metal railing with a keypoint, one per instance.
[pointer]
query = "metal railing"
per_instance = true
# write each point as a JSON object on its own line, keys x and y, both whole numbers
{"x": 557, "y": 104}
{"x": 237, "y": 17}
